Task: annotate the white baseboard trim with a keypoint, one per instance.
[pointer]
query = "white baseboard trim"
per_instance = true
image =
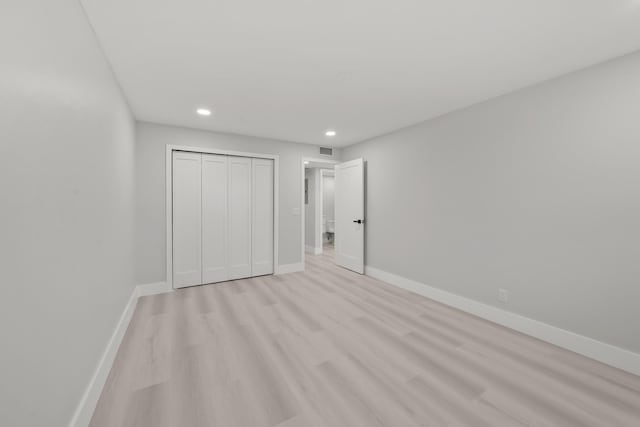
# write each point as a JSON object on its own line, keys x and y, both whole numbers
{"x": 153, "y": 289}
{"x": 84, "y": 411}
{"x": 312, "y": 250}
{"x": 589, "y": 347}
{"x": 290, "y": 268}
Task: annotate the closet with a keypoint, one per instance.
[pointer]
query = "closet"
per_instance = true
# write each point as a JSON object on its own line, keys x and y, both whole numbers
{"x": 222, "y": 218}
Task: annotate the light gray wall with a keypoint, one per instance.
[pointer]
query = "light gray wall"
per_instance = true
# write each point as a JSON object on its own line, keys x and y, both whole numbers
{"x": 537, "y": 192}
{"x": 150, "y": 173}
{"x": 66, "y": 184}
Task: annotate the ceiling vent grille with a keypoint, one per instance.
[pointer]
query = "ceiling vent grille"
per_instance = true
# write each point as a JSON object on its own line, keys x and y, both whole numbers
{"x": 326, "y": 151}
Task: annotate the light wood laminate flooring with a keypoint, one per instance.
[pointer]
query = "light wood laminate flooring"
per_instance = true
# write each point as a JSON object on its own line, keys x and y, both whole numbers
{"x": 331, "y": 348}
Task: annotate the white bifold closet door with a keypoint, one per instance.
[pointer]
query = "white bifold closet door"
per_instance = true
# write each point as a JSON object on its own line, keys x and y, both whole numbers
{"x": 262, "y": 222}
{"x": 239, "y": 222}
{"x": 214, "y": 219}
{"x": 222, "y": 218}
{"x": 187, "y": 219}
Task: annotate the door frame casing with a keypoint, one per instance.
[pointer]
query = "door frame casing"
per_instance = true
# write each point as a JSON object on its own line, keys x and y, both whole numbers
{"x": 170, "y": 148}
{"x": 330, "y": 164}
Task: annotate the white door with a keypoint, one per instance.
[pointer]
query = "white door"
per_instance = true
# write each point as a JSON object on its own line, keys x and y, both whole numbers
{"x": 239, "y": 217}
{"x": 262, "y": 224}
{"x": 349, "y": 215}
{"x": 214, "y": 218}
{"x": 187, "y": 234}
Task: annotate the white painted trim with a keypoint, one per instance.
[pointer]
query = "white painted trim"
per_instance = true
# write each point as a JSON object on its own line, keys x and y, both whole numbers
{"x": 320, "y": 212}
{"x": 302, "y": 215}
{"x": 168, "y": 210}
{"x": 290, "y": 268}
{"x": 87, "y": 405}
{"x": 589, "y": 347}
{"x": 169, "y": 201}
{"x": 276, "y": 210}
{"x": 172, "y": 147}
{"x": 317, "y": 224}
{"x": 153, "y": 289}
{"x": 313, "y": 250}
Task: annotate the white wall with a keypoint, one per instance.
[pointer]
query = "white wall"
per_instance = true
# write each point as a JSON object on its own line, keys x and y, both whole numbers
{"x": 537, "y": 192}
{"x": 66, "y": 209}
{"x": 150, "y": 173}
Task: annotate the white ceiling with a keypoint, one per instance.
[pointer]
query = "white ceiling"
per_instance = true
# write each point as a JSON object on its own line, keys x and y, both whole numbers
{"x": 290, "y": 69}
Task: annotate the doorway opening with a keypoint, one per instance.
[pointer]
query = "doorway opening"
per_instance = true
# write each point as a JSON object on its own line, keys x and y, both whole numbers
{"x": 327, "y": 209}
{"x": 319, "y": 212}
{"x": 332, "y": 211}
{"x": 318, "y": 218}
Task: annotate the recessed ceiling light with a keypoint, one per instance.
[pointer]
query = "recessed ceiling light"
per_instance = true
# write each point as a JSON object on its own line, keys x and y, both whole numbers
{"x": 203, "y": 112}
{"x": 330, "y": 133}
{"x": 306, "y": 163}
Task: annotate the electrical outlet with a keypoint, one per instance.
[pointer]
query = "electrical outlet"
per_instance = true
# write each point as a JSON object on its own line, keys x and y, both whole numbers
{"x": 503, "y": 295}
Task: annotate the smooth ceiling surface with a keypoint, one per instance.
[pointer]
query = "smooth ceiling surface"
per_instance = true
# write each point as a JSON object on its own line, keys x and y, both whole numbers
{"x": 291, "y": 69}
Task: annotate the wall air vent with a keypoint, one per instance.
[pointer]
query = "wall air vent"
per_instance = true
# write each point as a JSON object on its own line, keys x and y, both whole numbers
{"x": 326, "y": 151}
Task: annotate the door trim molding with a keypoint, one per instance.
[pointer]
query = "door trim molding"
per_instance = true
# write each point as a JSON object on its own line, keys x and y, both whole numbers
{"x": 170, "y": 148}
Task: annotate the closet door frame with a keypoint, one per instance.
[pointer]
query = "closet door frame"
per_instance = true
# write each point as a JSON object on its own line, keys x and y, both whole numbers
{"x": 170, "y": 148}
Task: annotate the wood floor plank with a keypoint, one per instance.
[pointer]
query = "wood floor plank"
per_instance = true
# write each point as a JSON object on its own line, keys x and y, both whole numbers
{"x": 328, "y": 347}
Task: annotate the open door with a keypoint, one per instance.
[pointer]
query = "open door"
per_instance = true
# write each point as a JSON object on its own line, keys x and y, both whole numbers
{"x": 349, "y": 215}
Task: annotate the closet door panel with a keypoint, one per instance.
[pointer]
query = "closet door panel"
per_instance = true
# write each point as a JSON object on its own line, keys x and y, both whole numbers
{"x": 187, "y": 211}
{"x": 239, "y": 217}
{"x": 214, "y": 218}
{"x": 262, "y": 221}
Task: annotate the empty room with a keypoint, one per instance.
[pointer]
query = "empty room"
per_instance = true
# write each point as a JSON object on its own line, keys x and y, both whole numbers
{"x": 304, "y": 213}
